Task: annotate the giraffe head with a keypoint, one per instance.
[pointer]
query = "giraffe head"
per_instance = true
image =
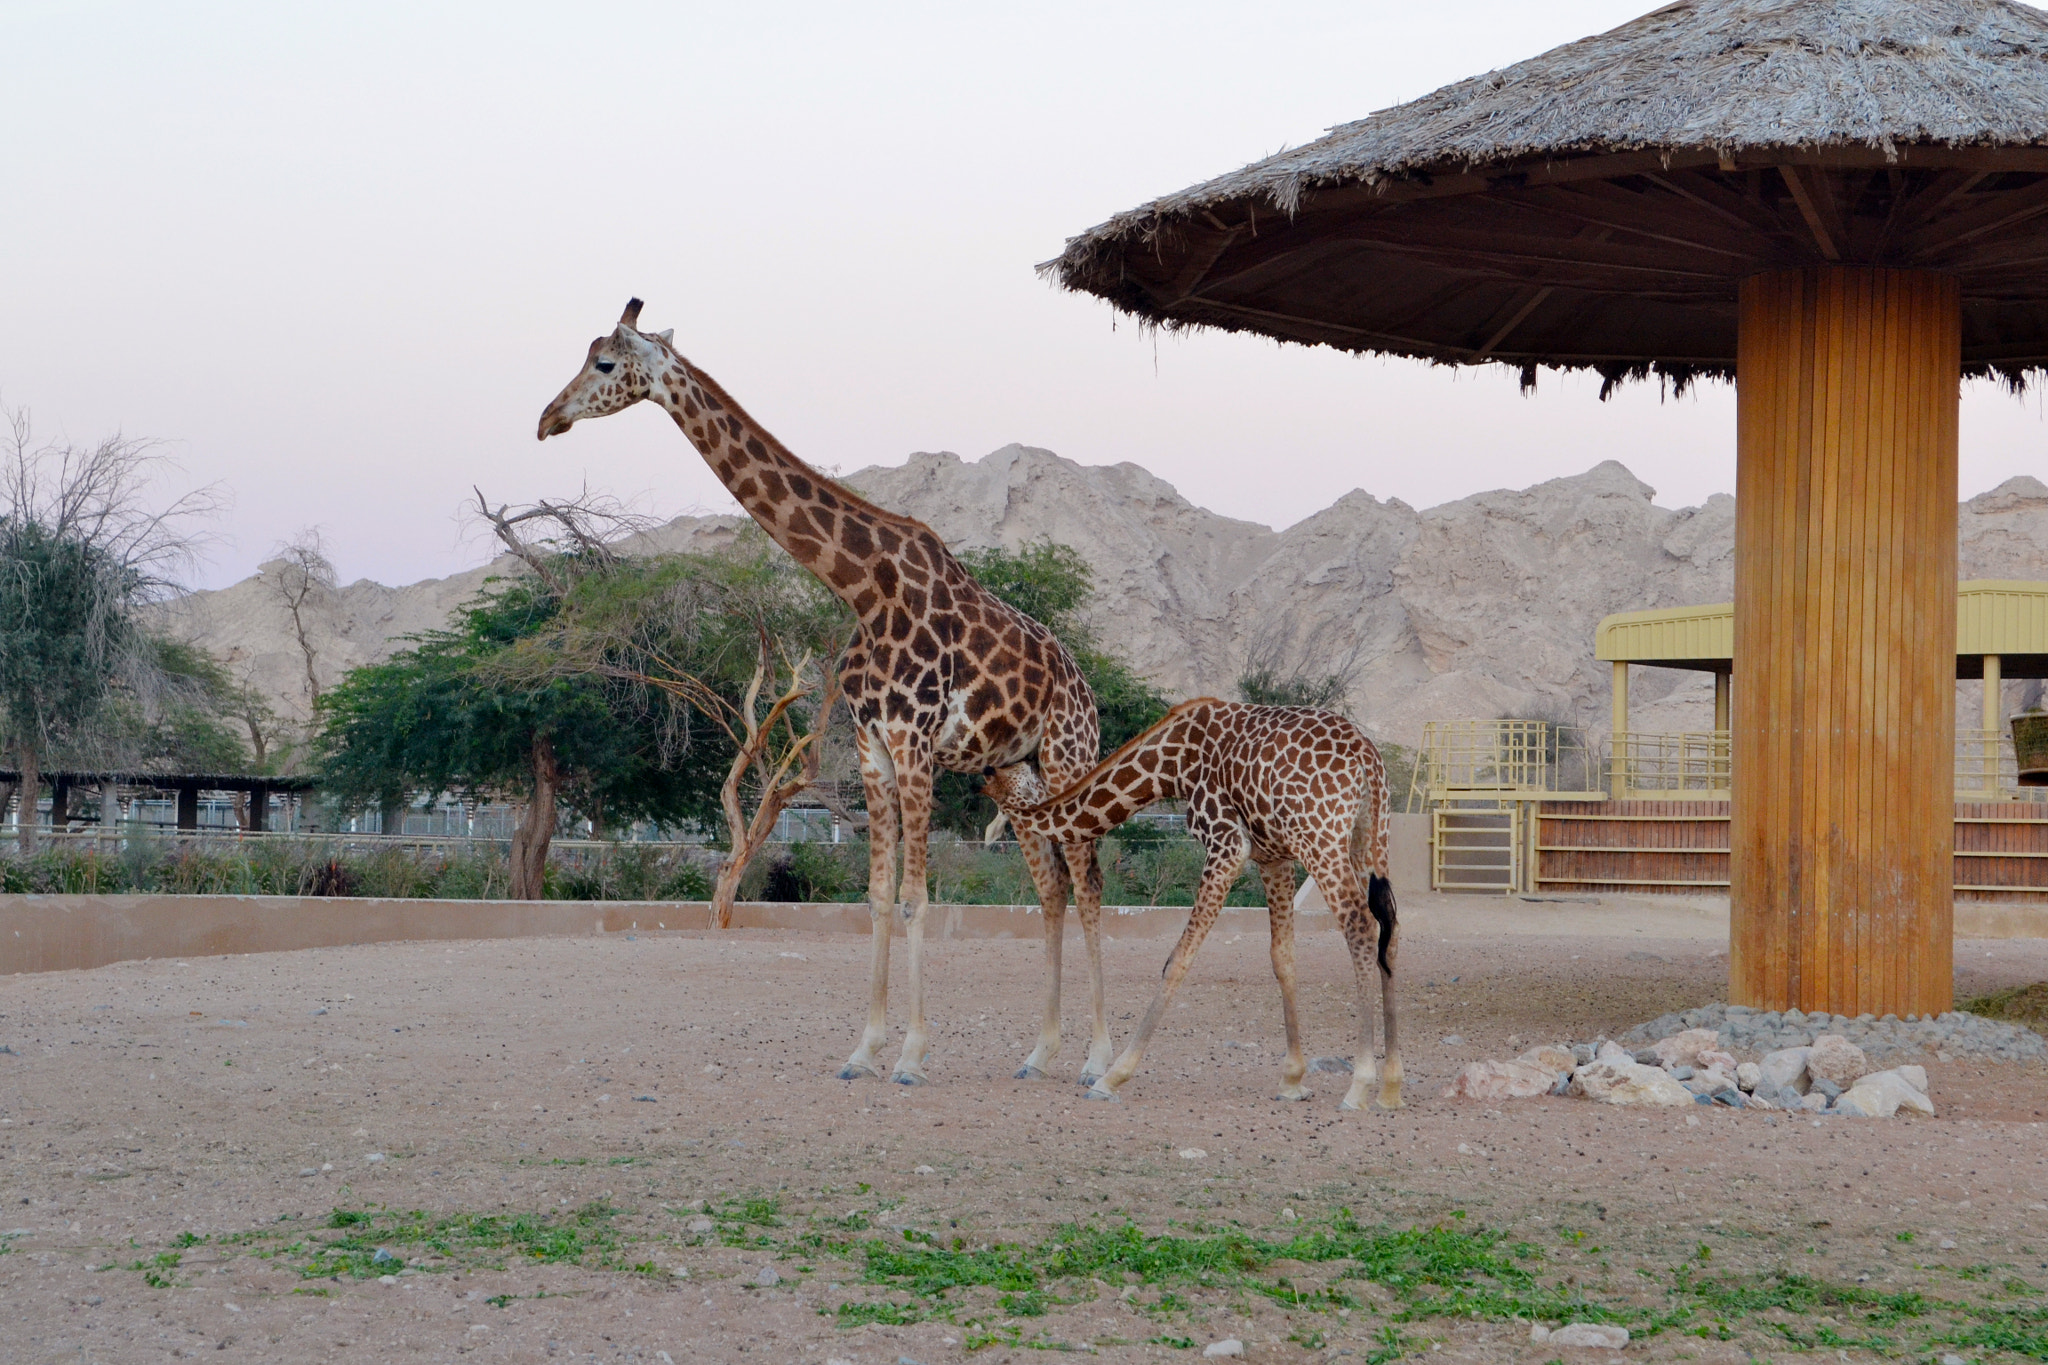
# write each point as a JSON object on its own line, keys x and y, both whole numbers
{"x": 1015, "y": 788}
{"x": 619, "y": 371}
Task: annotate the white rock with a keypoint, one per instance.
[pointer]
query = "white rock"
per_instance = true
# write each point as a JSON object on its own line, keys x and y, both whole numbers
{"x": 767, "y": 1278}
{"x": 1229, "y": 1346}
{"x": 1749, "y": 1075}
{"x": 1834, "y": 1058}
{"x": 1786, "y": 1068}
{"x": 1884, "y": 1093}
{"x": 1684, "y": 1049}
{"x": 1192, "y": 1154}
{"x": 1715, "y": 1060}
{"x": 1538, "y": 1332}
{"x": 1628, "y": 1083}
{"x": 1613, "y": 1052}
{"x": 1915, "y": 1076}
{"x": 1590, "y": 1334}
{"x": 700, "y": 1225}
{"x": 1500, "y": 1081}
{"x": 1758, "y": 1102}
{"x": 1813, "y": 1102}
{"x": 924, "y": 1170}
{"x": 1552, "y": 1057}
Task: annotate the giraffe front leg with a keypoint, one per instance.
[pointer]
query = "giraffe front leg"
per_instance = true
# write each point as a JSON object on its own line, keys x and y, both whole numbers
{"x": 1086, "y": 873}
{"x": 914, "y": 788}
{"x": 1047, "y": 875}
{"x": 1278, "y": 879}
{"x": 1226, "y": 855}
{"x": 879, "y": 781}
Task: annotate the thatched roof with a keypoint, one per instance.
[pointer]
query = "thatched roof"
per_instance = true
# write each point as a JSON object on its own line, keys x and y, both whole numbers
{"x": 1631, "y": 179}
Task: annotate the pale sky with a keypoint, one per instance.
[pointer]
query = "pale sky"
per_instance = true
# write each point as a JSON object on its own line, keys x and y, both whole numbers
{"x": 339, "y": 257}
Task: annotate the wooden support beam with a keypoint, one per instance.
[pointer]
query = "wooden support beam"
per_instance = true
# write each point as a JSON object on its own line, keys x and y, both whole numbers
{"x": 1994, "y": 704}
{"x": 1845, "y": 590}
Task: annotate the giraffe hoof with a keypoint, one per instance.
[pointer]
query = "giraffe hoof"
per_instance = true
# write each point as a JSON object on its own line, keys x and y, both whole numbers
{"x": 1028, "y": 1072}
{"x": 909, "y": 1078}
{"x": 1337, "y": 1066}
{"x": 1389, "y": 1102}
{"x": 1098, "y": 1093}
{"x": 1350, "y": 1106}
{"x": 854, "y": 1071}
{"x": 1088, "y": 1078}
{"x": 1295, "y": 1095}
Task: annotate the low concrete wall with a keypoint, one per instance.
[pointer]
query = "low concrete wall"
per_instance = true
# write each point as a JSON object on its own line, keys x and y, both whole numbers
{"x": 65, "y": 933}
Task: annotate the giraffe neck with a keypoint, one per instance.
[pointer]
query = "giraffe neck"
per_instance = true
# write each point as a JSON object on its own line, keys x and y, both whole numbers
{"x": 1152, "y": 767}
{"x": 833, "y": 532}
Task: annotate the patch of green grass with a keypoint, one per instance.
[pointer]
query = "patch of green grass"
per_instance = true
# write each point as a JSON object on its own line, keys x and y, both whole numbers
{"x": 1178, "y": 1343}
{"x": 578, "y": 1237}
{"x": 887, "y": 1314}
{"x": 2020, "y": 1005}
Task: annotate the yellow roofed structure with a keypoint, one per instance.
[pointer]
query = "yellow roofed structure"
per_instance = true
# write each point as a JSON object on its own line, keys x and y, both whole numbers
{"x": 2001, "y": 632}
{"x": 2005, "y": 619}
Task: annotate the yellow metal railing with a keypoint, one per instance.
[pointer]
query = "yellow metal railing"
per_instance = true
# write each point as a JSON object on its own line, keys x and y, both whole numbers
{"x": 1695, "y": 765}
{"x": 1503, "y": 758}
{"x": 1670, "y": 765}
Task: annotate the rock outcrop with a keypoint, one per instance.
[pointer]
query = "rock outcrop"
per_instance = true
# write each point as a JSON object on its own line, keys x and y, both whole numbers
{"x": 1481, "y": 607}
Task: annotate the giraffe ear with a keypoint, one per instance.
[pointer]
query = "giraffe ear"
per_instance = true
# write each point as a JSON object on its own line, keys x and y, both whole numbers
{"x": 631, "y": 317}
{"x": 668, "y": 337}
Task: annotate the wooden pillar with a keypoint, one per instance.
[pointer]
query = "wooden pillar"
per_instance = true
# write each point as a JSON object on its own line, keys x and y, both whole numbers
{"x": 1618, "y": 778}
{"x": 1994, "y": 704}
{"x": 1845, "y": 580}
{"x": 1721, "y": 702}
{"x": 188, "y": 808}
{"x": 259, "y": 811}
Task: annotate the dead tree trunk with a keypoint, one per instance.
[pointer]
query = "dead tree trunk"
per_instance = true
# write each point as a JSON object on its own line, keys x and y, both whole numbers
{"x": 796, "y": 769}
{"x": 536, "y": 824}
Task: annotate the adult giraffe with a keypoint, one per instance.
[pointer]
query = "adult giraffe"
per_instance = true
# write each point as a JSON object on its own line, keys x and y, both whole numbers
{"x": 940, "y": 673}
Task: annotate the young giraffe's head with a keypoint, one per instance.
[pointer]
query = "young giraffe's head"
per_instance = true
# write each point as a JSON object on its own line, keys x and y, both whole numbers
{"x": 620, "y": 370}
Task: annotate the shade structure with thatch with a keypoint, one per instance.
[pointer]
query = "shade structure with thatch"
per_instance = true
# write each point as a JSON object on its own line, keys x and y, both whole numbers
{"x": 1842, "y": 205}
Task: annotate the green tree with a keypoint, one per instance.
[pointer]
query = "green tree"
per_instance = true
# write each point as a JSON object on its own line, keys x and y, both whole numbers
{"x": 743, "y": 639}
{"x": 446, "y": 715}
{"x": 82, "y": 555}
{"x": 1053, "y": 585}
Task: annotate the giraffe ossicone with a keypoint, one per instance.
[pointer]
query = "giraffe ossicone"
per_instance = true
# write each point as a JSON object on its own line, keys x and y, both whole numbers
{"x": 1275, "y": 785}
{"x": 940, "y": 673}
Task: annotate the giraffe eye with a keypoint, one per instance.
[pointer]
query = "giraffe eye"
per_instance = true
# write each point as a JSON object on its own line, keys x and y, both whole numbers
{"x": 607, "y": 366}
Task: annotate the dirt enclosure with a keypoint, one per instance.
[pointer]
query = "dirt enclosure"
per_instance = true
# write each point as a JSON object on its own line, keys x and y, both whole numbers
{"x": 631, "y": 1147}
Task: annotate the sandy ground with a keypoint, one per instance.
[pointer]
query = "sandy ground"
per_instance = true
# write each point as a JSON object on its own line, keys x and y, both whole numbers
{"x": 157, "y": 1102}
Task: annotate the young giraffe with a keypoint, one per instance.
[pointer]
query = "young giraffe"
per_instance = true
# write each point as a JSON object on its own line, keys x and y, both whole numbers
{"x": 940, "y": 673}
{"x": 1272, "y": 783}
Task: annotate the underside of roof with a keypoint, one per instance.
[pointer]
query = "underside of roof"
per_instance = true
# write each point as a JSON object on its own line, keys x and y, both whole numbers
{"x": 1597, "y": 206}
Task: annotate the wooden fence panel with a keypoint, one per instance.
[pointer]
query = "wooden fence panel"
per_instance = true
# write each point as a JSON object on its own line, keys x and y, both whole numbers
{"x": 1679, "y": 846}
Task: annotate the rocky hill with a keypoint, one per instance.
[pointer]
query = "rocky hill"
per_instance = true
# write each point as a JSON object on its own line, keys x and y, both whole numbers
{"x": 1481, "y": 607}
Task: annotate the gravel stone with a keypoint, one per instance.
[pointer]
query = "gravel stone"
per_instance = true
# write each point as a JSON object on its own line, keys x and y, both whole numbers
{"x": 1744, "y": 1030}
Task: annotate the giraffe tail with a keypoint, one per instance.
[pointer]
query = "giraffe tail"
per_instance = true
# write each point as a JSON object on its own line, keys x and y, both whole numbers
{"x": 1379, "y": 898}
{"x": 1371, "y": 834}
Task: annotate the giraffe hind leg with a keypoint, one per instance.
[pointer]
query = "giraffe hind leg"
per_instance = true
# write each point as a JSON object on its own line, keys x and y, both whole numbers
{"x": 1278, "y": 878}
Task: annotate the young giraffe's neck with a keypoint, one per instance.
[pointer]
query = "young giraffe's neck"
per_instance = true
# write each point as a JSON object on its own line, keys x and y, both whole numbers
{"x": 835, "y": 533}
{"x": 1152, "y": 767}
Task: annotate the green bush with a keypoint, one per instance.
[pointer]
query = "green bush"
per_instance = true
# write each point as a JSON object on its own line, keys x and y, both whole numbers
{"x": 1145, "y": 868}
